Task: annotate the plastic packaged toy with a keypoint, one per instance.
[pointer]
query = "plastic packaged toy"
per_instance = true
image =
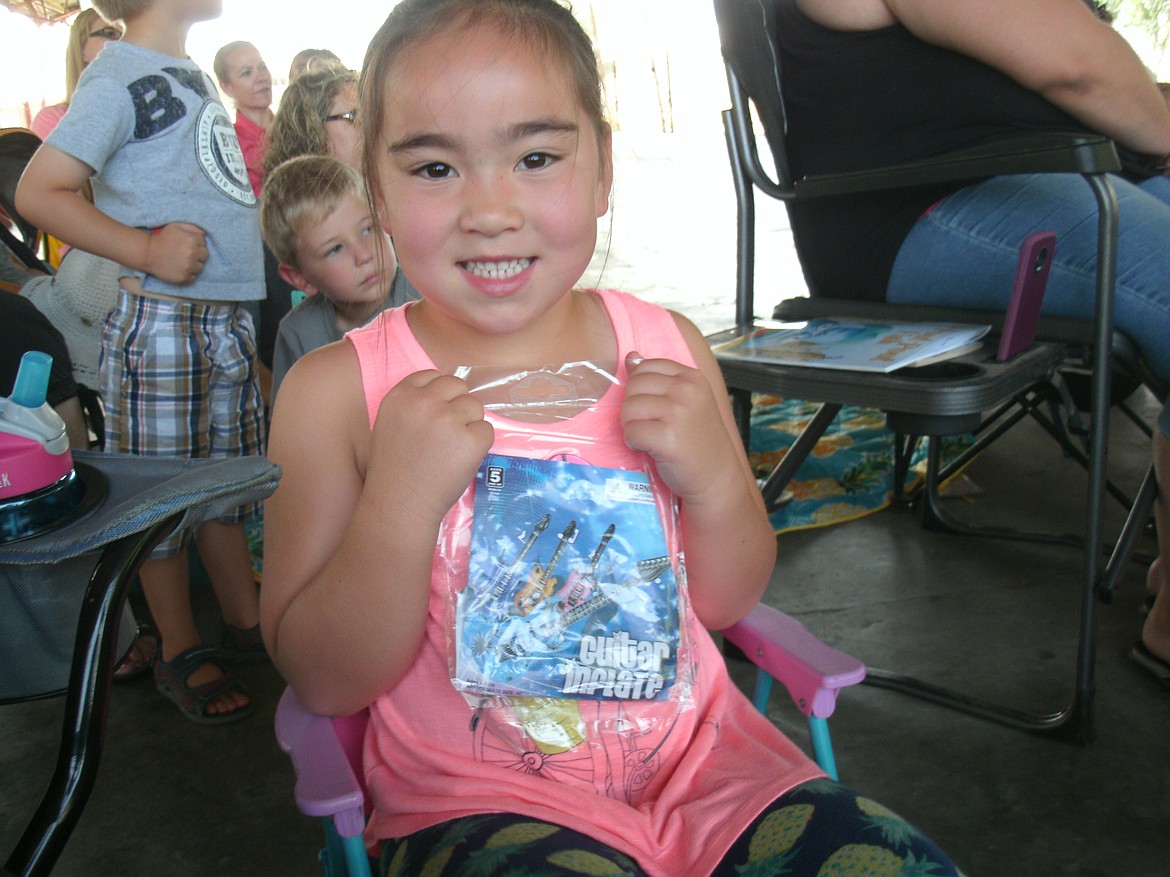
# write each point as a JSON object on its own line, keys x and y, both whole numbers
{"x": 571, "y": 591}
{"x": 564, "y": 578}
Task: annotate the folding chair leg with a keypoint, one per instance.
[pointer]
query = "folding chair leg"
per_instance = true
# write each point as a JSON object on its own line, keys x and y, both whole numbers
{"x": 86, "y": 703}
{"x": 1076, "y": 721}
{"x": 741, "y": 409}
{"x": 355, "y": 857}
{"x": 904, "y": 447}
{"x": 1135, "y": 524}
{"x": 936, "y": 518}
{"x": 343, "y": 856}
{"x": 333, "y": 855}
{"x": 818, "y": 728}
{"x": 762, "y": 691}
{"x": 823, "y": 746}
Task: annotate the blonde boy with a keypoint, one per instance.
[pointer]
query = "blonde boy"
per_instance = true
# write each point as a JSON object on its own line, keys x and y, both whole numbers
{"x": 317, "y": 221}
{"x": 173, "y": 207}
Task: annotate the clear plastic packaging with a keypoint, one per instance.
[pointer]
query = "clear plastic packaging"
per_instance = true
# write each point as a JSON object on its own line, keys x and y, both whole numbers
{"x": 564, "y": 579}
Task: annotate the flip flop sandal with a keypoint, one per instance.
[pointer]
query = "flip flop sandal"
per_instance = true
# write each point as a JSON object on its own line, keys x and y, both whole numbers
{"x": 1147, "y": 659}
{"x": 239, "y": 646}
{"x": 140, "y": 659}
{"x": 170, "y": 678}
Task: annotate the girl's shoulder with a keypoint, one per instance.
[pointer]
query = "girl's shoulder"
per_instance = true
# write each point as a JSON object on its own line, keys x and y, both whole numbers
{"x": 327, "y": 366}
{"x": 645, "y": 326}
{"x": 322, "y": 393}
{"x": 627, "y": 306}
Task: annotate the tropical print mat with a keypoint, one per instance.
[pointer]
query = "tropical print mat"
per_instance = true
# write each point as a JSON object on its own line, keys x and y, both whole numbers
{"x": 849, "y": 472}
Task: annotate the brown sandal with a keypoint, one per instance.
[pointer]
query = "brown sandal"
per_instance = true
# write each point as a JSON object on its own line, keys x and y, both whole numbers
{"x": 139, "y": 659}
{"x": 240, "y": 646}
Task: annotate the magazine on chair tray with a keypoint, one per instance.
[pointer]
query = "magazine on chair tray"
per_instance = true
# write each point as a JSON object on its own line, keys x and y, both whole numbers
{"x": 570, "y": 590}
{"x": 858, "y": 345}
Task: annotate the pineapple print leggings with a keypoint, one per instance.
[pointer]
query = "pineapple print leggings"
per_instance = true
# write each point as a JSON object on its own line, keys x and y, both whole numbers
{"x": 818, "y": 829}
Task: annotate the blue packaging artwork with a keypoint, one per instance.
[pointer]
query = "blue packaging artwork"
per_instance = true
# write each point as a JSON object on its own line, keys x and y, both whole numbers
{"x": 570, "y": 590}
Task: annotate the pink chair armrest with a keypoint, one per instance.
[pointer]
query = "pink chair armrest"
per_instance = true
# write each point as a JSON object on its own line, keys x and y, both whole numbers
{"x": 326, "y": 784}
{"x": 812, "y": 671}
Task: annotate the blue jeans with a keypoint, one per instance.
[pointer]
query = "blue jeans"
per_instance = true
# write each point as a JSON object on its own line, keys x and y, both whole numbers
{"x": 963, "y": 253}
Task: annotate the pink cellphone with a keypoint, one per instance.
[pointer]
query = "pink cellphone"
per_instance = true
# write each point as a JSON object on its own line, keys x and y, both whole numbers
{"x": 1019, "y": 324}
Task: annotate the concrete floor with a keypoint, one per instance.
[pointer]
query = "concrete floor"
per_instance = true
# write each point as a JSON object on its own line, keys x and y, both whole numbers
{"x": 998, "y": 620}
{"x": 994, "y": 618}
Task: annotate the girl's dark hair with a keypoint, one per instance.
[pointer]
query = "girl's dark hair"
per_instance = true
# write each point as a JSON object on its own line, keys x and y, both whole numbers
{"x": 547, "y": 25}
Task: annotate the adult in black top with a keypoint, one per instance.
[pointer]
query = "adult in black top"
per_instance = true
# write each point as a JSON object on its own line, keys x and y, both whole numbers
{"x": 880, "y": 81}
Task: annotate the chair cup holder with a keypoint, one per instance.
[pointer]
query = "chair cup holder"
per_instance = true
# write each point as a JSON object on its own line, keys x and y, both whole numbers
{"x": 954, "y": 370}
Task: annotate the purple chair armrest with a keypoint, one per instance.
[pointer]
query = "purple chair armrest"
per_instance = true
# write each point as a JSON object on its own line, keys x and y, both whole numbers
{"x": 326, "y": 784}
{"x": 781, "y": 646}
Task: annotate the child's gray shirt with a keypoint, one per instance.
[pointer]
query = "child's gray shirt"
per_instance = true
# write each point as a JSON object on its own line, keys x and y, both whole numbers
{"x": 164, "y": 150}
{"x": 313, "y": 323}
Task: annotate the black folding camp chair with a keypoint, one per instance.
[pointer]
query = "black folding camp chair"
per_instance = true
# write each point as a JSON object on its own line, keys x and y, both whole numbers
{"x": 61, "y": 600}
{"x": 924, "y": 404}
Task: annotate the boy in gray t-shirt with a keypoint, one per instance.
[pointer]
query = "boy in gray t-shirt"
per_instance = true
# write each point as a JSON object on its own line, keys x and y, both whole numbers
{"x": 173, "y": 207}
{"x": 317, "y": 221}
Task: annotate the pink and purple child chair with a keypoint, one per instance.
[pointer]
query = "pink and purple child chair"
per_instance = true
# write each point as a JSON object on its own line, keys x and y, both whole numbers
{"x": 326, "y": 753}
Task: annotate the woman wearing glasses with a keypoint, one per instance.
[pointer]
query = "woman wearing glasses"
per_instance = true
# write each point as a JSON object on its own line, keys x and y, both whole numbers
{"x": 86, "y": 37}
{"x": 317, "y": 116}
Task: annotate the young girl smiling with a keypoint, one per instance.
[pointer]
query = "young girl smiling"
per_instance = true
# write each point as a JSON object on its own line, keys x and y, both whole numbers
{"x": 490, "y": 161}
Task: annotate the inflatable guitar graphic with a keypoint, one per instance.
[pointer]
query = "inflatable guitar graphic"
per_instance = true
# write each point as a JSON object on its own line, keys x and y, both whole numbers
{"x": 580, "y": 585}
{"x": 505, "y": 576}
{"x": 544, "y": 629}
{"x": 540, "y": 582}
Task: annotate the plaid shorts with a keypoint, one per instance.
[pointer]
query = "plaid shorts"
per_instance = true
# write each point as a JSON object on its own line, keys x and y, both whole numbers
{"x": 179, "y": 380}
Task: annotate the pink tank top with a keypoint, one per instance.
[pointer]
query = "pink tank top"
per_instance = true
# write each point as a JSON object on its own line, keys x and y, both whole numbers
{"x": 671, "y": 787}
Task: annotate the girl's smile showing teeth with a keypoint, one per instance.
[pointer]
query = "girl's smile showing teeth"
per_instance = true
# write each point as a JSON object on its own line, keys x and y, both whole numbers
{"x": 496, "y": 270}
